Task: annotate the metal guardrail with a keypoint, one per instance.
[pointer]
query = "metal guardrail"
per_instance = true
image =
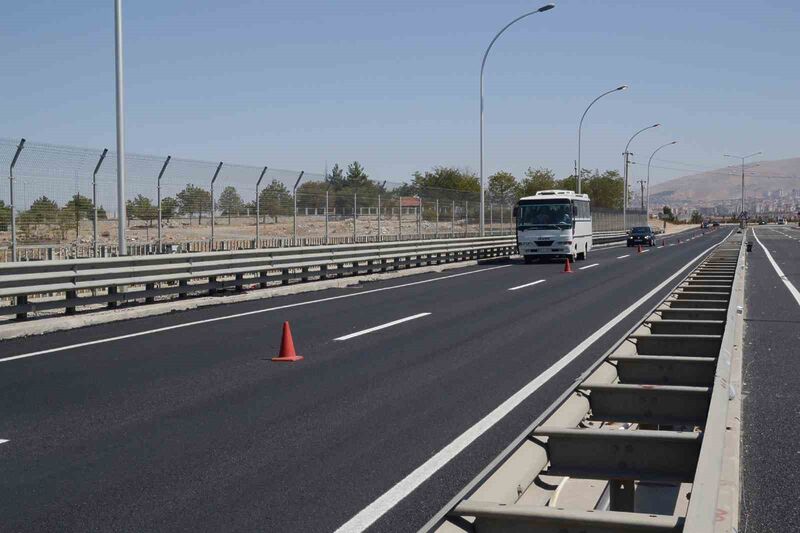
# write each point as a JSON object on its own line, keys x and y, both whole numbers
{"x": 68, "y": 284}
{"x": 636, "y": 444}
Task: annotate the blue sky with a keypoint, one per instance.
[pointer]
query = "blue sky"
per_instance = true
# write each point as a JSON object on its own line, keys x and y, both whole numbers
{"x": 395, "y": 84}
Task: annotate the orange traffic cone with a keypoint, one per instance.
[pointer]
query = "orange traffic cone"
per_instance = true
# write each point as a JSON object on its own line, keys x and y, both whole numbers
{"x": 639, "y": 249}
{"x": 567, "y": 267}
{"x": 287, "y": 352}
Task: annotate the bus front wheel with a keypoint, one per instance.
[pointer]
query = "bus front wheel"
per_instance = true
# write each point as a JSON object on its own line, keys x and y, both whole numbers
{"x": 584, "y": 254}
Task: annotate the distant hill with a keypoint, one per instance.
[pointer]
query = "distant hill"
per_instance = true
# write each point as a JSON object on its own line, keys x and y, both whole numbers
{"x": 723, "y": 184}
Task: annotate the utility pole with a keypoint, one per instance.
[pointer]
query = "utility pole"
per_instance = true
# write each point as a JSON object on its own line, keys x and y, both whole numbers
{"x": 642, "y": 182}
{"x": 121, "y": 204}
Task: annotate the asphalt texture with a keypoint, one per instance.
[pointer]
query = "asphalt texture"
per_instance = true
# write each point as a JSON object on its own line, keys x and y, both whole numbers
{"x": 770, "y": 448}
{"x": 194, "y": 428}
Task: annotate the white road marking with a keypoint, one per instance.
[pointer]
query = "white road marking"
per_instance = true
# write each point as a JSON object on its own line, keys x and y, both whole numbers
{"x": 367, "y": 516}
{"x": 644, "y": 251}
{"x": 789, "y": 285}
{"x": 624, "y": 256}
{"x": 526, "y": 285}
{"x": 239, "y": 315}
{"x": 3, "y": 441}
{"x": 382, "y": 326}
{"x": 589, "y": 266}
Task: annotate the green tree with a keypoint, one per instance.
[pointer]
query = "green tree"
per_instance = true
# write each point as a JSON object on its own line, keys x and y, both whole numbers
{"x": 536, "y": 180}
{"x": 273, "y": 199}
{"x": 605, "y": 190}
{"x": 311, "y": 194}
{"x": 83, "y": 206}
{"x": 503, "y": 188}
{"x": 666, "y": 214}
{"x": 356, "y": 177}
{"x": 445, "y": 179}
{"x": 5, "y": 216}
{"x": 335, "y": 177}
{"x": 43, "y": 211}
{"x": 193, "y": 200}
{"x": 66, "y": 220}
{"x": 697, "y": 218}
{"x": 230, "y": 202}
{"x": 169, "y": 208}
{"x": 142, "y": 208}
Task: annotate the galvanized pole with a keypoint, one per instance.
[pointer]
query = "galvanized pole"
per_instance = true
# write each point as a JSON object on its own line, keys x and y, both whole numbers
{"x": 453, "y": 222}
{"x": 400, "y": 218}
{"x": 94, "y": 201}
{"x": 158, "y": 189}
{"x": 326, "y": 215}
{"x": 258, "y": 209}
{"x": 294, "y": 207}
{"x": 121, "y": 202}
{"x": 379, "y": 218}
{"x": 647, "y": 203}
{"x": 466, "y": 218}
{"x": 436, "y": 227}
{"x": 580, "y": 127}
{"x": 419, "y": 217}
{"x": 491, "y": 218}
{"x": 627, "y": 155}
{"x": 216, "y": 173}
{"x": 355, "y": 217}
{"x": 11, "y": 199}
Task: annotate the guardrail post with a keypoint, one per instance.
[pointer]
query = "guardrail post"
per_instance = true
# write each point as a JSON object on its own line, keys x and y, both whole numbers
{"x": 112, "y": 304}
{"x": 22, "y": 300}
{"x": 70, "y": 295}
{"x": 94, "y": 201}
{"x": 183, "y": 294}
{"x": 149, "y": 287}
{"x": 158, "y": 193}
{"x": 11, "y": 200}
{"x": 216, "y": 173}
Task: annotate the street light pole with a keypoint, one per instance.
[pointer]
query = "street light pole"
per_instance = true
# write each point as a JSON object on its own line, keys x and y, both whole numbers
{"x": 627, "y": 155}
{"x": 121, "y": 216}
{"x": 742, "y": 157}
{"x": 648, "y": 172}
{"x": 580, "y": 127}
{"x": 542, "y": 9}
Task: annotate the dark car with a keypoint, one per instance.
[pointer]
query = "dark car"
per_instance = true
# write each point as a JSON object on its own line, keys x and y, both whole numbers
{"x": 641, "y": 235}
{"x": 715, "y": 224}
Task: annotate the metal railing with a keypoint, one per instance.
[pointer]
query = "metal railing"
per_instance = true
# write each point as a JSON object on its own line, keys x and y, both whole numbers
{"x": 27, "y": 287}
{"x": 637, "y": 443}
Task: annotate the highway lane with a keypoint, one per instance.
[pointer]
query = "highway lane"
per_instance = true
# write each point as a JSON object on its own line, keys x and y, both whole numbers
{"x": 770, "y": 449}
{"x": 193, "y": 428}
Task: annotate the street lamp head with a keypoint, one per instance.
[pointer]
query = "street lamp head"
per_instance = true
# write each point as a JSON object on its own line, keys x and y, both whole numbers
{"x": 655, "y": 125}
{"x": 546, "y": 7}
{"x": 621, "y": 88}
{"x": 674, "y": 142}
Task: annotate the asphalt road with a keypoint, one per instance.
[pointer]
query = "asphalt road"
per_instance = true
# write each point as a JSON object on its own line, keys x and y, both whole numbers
{"x": 770, "y": 448}
{"x": 192, "y": 427}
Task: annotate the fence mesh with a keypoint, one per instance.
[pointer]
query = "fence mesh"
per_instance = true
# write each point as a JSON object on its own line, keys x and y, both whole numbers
{"x": 65, "y": 205}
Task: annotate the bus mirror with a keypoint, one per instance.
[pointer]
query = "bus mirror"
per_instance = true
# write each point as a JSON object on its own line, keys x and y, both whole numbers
{"x": 574, "y": 210}
{"x": 515, "y": 212}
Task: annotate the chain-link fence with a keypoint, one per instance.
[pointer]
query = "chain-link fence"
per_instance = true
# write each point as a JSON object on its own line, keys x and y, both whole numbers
{"x": 65, "y": 205}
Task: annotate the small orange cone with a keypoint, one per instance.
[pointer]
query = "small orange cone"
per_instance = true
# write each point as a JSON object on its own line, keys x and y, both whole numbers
{"x": 639, "y": 249}
{"x": 287, "y": 352}
{"x": 567, "y": 267}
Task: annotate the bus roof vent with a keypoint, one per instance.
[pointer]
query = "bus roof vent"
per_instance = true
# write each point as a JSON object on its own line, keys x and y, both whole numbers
{"x": 554, "y": 192}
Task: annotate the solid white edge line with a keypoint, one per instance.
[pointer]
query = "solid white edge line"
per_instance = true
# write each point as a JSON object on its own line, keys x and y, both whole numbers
{"x": 589, "y": 266}
{"x": 527, "y": 285}
{"x": 624, "y": 256}
{"x": 367, "y": 516}
{"x": 238, "y": 315}
{"x": 789, "y": 285}
{"x": 3, "y": 441}
{"x": 382, "y": 326}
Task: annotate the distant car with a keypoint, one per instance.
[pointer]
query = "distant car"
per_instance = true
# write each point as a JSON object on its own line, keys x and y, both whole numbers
{"x": 762, "y": 222}
{"x": 715, "y": 224}
{"x": 781, "y": 221}
{"x": 641, "y": 235}
{"x": 704, "y": 225}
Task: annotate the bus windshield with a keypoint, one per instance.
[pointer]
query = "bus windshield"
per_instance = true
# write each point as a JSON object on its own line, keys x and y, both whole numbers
{"x": 545, "y": 216}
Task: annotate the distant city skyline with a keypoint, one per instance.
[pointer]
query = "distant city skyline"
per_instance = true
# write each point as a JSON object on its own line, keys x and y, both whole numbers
{"x": 395, "y": 86}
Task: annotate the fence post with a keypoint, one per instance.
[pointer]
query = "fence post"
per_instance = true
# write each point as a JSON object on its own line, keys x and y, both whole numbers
{"x": 94, "y": 201}
{"x": 419, "y": 217}
{"x": 258, "y": 210}
{"x": 501, "y": 219}
{"x": 436, "y": 226}
{"x": 355, "y": 204}
{"x": 453, "y": 223}
{"x": 400, "y": 218}
{"x": 466, "y": 218}
{"x": 379, "y": 218}
{"x": 216, "y": 173}
{"x": 294, "y": 207}
{"x": 11, "y": 199}
{"x": 326, "y": 214}
{"x": 158, "y": 189}
{"x": 491, "y": 218}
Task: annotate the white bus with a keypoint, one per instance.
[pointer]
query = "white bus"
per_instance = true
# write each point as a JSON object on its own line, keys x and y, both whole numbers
{"x": 554, "y": 223}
